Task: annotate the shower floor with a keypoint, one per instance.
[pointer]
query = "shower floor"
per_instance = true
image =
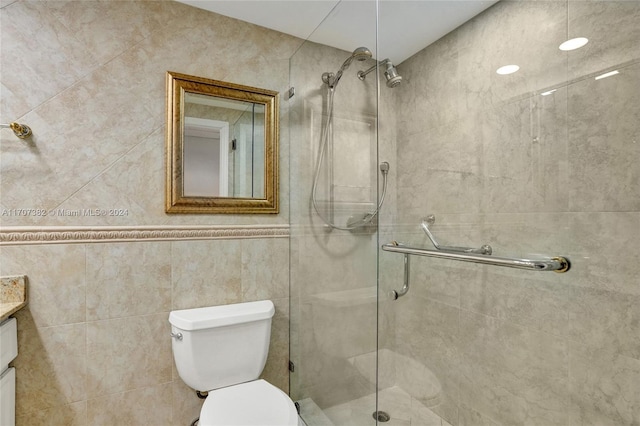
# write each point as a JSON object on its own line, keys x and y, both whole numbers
{"x": 401, "y": 407}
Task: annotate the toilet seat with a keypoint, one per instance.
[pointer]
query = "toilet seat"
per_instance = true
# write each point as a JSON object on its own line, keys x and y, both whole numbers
{"x": 255, "y": 403}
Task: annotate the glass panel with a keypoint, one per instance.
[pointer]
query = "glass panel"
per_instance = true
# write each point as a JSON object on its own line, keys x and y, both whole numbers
{"x": 333, "y": 271}
{"x": 541, "y": 162}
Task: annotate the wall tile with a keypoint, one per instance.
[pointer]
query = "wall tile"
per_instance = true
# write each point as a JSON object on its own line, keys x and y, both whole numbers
{"x": 107, "y": 29}
{"x": 147, "y": 405}
{"x": 603, "y": 248}
{"x": 39, "y": 61}
{"x": 514, "y": 375}
{"x": 265, "y": 269}
{"x": 603, "y": 127}
{"x": 604, "y": 319}
{"x": 604, "y": 389}
{"x": 186, "y": 405}
{"x": 56, "y": 287}
{"x": 132, "y": 187}
{"x": 127, "y": 354}
{"x": 51, "y": 367}
{"x": 276, "y": 370}
{"x": 520, "y": 298}
{"x": 550, "y": 175}
{"x": 92, "y": 87}
{"x": 74, "y": 414}
{"x": 206, "y": 273}
{"x": 128, "y": 279}
{"x": 601, "y": 22}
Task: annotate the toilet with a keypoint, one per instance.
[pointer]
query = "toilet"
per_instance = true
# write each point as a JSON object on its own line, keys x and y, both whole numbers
{"x": 223, "y": 350}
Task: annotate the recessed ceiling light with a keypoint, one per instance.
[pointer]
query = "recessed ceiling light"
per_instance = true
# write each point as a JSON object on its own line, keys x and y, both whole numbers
{"x": 607, "y": 74}
{"x": 548, "y": 92}
{"x": 507, "y": 69}
{"x": 574, "y": 43}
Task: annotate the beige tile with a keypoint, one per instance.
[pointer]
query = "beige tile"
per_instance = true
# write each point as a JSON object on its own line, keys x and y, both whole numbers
{"x": 519, "y": 297}
{"x": 130, "y": 191}
{"x": 11, "y": 105}
{"x": 145, "y": 406}
{"x": 276, "y": 370}
{"x": 524, "y": 146}
{"x": 606, "y": 320}
{"x": 206, "y": 273}
{"x": 603, "y": 122}
{"x": 511, "y": 374}
{"x": 432, "y": 339}
{"x": 128, "y": 279}
{"x": 55, "y": 58}
{"x": 424, "y": 416}
{"x": 127, "y": 354}
{"x": 470, "y": 417}
{"x": 518, "y": 40}
{"x": 265, "y": 268}
{"x": 65, "y": 153}
{"x": 186, "y": 405}
{"x": 51, "y": 367}
{"x": 74, "y": 414}
{"x": 604, "y": 389}
{"x": 603, "y": 250}
{"x": 56, "y": 280}
{"x": 612, "y": 30}
{"x": 107, "y": 29}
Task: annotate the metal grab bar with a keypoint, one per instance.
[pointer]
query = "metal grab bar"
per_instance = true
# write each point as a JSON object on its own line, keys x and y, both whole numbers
{"x": 430, "y": 220}
{"x": 405, "y": 287}
{"x": 557, "y": 264}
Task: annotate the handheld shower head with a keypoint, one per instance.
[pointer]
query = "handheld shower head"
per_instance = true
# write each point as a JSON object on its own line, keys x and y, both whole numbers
{"x": 360, "y": 54}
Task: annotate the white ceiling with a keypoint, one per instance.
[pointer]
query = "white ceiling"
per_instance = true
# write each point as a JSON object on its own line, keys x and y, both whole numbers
{"x": 405, "y": 26}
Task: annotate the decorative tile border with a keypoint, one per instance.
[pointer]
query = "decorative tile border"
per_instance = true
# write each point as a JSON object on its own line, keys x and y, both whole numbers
{"x": 109, "y": 234}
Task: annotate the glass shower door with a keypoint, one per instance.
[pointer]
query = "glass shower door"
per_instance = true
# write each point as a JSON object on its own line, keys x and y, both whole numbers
{"x": 333, "y": 271}
{"x": 538, "y": 163}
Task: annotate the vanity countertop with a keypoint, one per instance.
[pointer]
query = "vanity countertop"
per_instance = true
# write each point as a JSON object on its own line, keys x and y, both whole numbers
{"x": 13, "y": 295}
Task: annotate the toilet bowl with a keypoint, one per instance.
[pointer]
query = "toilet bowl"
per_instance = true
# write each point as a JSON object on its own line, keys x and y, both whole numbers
{"x": 223, "y": 350}
{"x": 254, "y": 403}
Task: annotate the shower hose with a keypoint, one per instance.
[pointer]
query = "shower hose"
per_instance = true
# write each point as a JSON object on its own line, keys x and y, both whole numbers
{"x": 384, "y": 169}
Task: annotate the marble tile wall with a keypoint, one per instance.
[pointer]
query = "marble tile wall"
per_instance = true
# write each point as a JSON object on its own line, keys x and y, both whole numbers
{"x": 498, "y": 163}
{"x": 89, "y": 78}
{"x": 95, "y": 331}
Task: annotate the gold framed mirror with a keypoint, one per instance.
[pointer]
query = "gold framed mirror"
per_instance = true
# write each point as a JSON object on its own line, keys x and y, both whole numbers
{"x": 222, "y": 147}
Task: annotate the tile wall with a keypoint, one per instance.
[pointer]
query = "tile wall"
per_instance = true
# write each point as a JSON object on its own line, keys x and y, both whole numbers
{"x": 498, "y": 163}
{"x": 89, "y": 78}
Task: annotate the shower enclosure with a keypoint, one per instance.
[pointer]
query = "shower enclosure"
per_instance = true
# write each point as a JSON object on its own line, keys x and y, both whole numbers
{"x": 539, "y": 164}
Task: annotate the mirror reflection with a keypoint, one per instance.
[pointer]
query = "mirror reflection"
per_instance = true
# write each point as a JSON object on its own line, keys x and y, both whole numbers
{"x": 222, "y": 147}
{"x": 223, "y": 152}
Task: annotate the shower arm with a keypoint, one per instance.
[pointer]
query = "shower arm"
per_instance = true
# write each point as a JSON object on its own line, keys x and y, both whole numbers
{"x": 363, "y": 74}
{"x": 430, "y": 220}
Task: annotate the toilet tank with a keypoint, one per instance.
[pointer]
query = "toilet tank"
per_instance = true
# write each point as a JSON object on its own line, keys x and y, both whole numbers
{"x": 219, "y": 346}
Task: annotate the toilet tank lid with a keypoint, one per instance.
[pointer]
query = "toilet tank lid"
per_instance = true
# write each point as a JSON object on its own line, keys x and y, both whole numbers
{"x": 219, "y": 316}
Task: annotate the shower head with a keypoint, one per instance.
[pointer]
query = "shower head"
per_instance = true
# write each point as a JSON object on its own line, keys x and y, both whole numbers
{"x": 390, "y": 73}
{"x": 360, "y": 54}
{"x": 392, "y": 76}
